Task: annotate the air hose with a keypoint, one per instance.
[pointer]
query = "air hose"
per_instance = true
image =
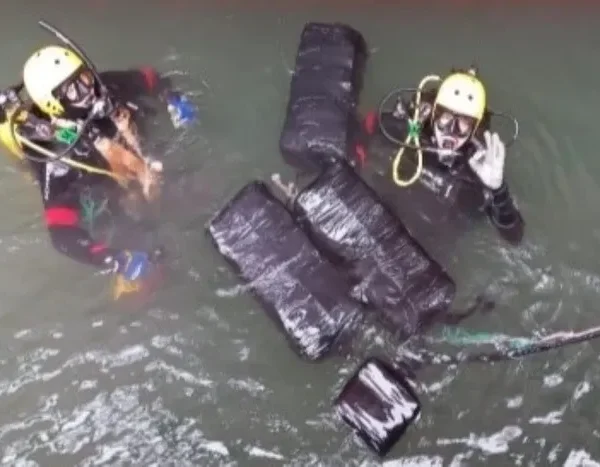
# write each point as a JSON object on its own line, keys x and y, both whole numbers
{"x": 50, "y": 155}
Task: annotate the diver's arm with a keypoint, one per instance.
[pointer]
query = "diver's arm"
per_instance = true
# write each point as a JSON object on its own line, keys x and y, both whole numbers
{"x": 505, "y": 216}
{"x": 73, "y": 241}
{"x": 487, "y": 163}
{"x": 69, "y": 238}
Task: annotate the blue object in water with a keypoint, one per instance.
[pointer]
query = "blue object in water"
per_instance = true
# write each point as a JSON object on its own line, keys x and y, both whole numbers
{"x": 182, "y": 111}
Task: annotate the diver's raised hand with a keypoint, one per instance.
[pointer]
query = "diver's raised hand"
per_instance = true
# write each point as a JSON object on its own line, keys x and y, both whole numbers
{"x": 488, "y": 162}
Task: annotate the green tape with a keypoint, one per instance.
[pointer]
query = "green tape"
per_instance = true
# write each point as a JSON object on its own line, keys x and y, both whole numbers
{"x": 66, "y": 135}
{"x": 414, "y": 129}
{"x": 91, "y": 210}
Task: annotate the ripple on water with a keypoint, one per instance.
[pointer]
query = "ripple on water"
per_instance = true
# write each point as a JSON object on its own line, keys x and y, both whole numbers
{"x": 493, "y": 444}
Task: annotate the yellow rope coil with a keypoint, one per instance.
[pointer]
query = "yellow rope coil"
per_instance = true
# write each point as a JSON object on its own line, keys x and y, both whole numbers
{"x": 413, "y": 136}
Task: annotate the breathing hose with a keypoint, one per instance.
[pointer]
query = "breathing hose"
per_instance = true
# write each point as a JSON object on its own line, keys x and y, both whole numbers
{"x": 78, "y": 50}
{"x": 50, "y": 155}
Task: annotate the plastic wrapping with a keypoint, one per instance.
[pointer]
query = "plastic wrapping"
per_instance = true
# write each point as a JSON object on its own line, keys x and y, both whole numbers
{"x": 392, "y": 272}
{"x": 378, "y": 404}
{"x": 299, "y": 289}
{"x": 321, "y": 110}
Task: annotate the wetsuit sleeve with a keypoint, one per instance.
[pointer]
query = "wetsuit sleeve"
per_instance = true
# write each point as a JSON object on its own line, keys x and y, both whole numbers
{"x": 133, "y": 84}
{"x": 62, "y": 218}
{"x": 505, "y": 215}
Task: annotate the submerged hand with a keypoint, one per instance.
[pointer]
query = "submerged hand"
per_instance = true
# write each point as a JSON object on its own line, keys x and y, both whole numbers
{"x": 488, "y": 163}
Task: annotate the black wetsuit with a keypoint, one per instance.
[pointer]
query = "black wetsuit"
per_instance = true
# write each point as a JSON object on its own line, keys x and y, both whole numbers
{"x": 443, "y": 192}
{"x": 65, "y": 189}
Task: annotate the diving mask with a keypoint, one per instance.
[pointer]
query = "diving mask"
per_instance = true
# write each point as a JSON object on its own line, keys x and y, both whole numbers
{"x": 79, "y": 91}
{"x": 452, "y": 130}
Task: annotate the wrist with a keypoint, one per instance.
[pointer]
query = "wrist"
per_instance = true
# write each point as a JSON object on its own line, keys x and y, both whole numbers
{"x": 499, "y": 189}
{"x": 501, "y": 199}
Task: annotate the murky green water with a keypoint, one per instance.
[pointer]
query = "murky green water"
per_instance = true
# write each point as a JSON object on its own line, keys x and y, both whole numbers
{"x": 203, "y": 378}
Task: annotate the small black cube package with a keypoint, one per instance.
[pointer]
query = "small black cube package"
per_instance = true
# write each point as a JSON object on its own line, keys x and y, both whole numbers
{"x": 392, "y": 273}
{"x": 299, "y": 289}
{"x": 378, "y": 404}
{"x": 321, "y": 112}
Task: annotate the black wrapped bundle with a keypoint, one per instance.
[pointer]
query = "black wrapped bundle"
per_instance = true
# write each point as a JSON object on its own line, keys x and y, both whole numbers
{"x": 378, "y": 404}
{"x": 299, "y": 289}
{"x": 321, "y": 110}
{"x": 392, "y": 272}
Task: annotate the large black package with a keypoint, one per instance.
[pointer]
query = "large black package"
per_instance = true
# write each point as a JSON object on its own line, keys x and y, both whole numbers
{"x": 298, "y": 288}
{"x": 321, "y": 110}
{"x": 392, "y": 272}
{"x": 378, "y": 403}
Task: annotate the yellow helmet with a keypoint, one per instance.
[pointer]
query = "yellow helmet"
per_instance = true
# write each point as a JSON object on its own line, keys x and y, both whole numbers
{"x": 45, "y": 71}
{"x": 462, "y": 94}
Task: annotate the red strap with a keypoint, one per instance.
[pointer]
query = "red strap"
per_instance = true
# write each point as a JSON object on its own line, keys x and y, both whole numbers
{"x": 370, "y": 122}
{"x": 61, "y": 217}
{"x": 97, "y": 248}
{"x": 361, "y": 154}
{"x": 150, "y": 76}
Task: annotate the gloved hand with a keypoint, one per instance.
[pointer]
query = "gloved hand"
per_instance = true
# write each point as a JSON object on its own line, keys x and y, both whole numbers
{"x": 133, "y": 265}
{"x": 182, "y": 111}
{"x": 488, "y": 162}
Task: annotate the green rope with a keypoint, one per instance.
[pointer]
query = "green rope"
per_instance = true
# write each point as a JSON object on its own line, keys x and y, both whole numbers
{"x": 91, "y": 210}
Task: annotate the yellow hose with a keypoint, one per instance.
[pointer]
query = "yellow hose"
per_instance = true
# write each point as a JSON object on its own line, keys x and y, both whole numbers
{"x": 20, "y": 140}
{"x": 69, "y": 161}
{"x": 413, "y": 135}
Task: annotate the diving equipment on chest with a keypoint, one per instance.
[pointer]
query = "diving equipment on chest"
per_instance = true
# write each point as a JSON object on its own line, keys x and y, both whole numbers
{"x": 66, "y": 133}
{"x": 56, "y": 169}
{"x": 53, "y": 170}
{"x": 436, "y": 182}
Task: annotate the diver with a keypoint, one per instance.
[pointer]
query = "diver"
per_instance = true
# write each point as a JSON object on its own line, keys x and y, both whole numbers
{"x": 77, "y": 129}
{"x": 458, "y": 158}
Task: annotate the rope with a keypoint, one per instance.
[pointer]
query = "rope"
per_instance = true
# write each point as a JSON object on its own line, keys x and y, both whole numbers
{"x": 516, "y": 348}
{"x": 414, "y": 133}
